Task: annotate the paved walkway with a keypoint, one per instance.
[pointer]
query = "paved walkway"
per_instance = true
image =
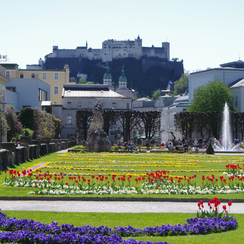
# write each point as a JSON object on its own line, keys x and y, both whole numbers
{"x": 110, "y": 207}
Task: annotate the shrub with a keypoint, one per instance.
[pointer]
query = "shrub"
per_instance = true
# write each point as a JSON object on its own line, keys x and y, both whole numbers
{"x": 14, "y": 126}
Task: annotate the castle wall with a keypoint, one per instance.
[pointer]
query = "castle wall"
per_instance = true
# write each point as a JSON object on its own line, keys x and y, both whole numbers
{"x": 112, "y": 49}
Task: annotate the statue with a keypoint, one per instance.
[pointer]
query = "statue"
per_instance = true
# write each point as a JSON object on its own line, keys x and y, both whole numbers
{"x": 97, "y": 139}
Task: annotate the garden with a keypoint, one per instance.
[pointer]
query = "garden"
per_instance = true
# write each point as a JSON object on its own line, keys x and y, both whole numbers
{"x": 215, "y": 179}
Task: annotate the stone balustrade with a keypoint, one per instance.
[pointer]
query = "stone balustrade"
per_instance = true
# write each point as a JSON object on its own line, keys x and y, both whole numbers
{"x": 11, "y": 155}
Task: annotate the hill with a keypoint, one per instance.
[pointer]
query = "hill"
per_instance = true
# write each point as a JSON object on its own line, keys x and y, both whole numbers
{"x": 144, "y": 75}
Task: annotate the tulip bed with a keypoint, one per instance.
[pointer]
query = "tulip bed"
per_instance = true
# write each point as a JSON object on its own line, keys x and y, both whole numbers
{"x": 129, "y": 174}
{"x": 30, "y": 231}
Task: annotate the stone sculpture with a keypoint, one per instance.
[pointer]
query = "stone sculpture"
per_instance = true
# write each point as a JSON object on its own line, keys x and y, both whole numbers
{"x": 97, "y": 139}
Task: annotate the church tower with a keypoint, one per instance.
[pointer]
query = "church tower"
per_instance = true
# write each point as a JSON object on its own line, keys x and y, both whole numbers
{"x": 123, "y": 90}
{"x": 107, "y": 78}
{"x": 122, "y": 80}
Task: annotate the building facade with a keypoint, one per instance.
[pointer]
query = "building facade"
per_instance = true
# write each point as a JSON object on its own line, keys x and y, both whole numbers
{"x": 3, "y": 122}
{"x": 54, "y": 78}
{"x": 84, "y": 96}
{"x": 23, "y": 92}
{"x": 230, "y": 73}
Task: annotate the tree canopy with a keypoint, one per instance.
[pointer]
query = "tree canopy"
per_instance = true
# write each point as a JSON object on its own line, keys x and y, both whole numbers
{"x": 181, "y": 85}
{"x": 156, "y": 94}
{"x": 211, "y": 97}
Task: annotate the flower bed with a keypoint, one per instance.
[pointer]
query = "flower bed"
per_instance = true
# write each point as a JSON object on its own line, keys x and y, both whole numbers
{"x": 154, "y": 183}
{"x": 145, "y": 174}
{"x": 25, "y": 231}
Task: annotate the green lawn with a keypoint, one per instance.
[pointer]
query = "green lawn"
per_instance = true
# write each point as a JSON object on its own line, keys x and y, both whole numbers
{"x": 137, "y": 165}
{"x": 141, "y": 220}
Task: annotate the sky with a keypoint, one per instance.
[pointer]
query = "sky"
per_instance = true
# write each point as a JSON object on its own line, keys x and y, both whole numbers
{"x": 204, "y": 34}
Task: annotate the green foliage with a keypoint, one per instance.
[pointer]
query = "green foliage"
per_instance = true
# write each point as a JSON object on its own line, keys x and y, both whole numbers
{"x": 27, "y": 117}
{"x": 28, "y": 132}
{"x": 14, "y": 126}
{"x": 3, "y": 124}
{"x": 81, "y": 81}
{"x": 156, "y": 94}
{"x": 11, "y": 107}
{"x": 58, "y": 126}
{"x": 44, "y": 124}
{"x": 181, "y": 85}
{"x": 90, "y": 82}
{"x": 211, "y": 97}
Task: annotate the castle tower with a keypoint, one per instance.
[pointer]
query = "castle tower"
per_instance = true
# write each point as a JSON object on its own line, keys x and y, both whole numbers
{"x": 107, "y": 78}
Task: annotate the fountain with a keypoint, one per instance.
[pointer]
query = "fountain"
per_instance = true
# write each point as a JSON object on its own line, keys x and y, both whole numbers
{"x": 226, "y": 145}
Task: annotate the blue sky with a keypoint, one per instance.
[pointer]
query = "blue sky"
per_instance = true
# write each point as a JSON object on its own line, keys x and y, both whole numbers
{"x": 202, "y": 33}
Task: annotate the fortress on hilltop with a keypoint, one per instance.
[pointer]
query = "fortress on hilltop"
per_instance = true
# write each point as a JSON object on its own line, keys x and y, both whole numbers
{"x": 113, "y": 49}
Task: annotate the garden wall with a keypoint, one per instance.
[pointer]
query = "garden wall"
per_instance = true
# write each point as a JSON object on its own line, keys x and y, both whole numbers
{"x": 11, "y": 155}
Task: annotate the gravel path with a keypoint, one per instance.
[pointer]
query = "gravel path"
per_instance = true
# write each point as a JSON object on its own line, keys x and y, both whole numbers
{"x": 110, "y": 207}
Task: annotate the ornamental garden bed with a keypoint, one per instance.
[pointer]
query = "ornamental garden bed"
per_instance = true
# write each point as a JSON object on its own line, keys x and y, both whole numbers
{"x": 111, "y": 175}
{"x": 30, "y": 231}
{"x": 127, "y": 175}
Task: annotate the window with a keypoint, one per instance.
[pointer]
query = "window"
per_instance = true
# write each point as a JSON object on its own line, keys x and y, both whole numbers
{"x": 56, "y": 90}
{"x": 128, "y": 106}
{"x": 104, "y": 105}
{"x": 42, "y": 95}
{"x": 7, "y": 74}
{"x": 236, "y": 102}
{"x": 89, "y": 105}
{"x": 55, "y": 76}
{"x": 21, "y": 75}
{"x": 68, "y": 104}
{"x": 69, "y": 120}
{"x": 33, "y": 75}
{"x": 11, "y": 88}
{"x": 79, "y": 104}
{"x": 44, "y": 76}
{"x": 113, "y": 105}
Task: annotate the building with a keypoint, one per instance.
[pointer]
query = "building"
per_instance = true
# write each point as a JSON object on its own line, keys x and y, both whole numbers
{"x": 123, "y": 89}
{"x": 3, "y": 82}
{"x": 113, "y": 49}
{"x": 167, "y": 117}
{"x": 230, "y": 73}
{"x": 54, "y": 78}
{"x": 84, "y": 96}
{"x": 24, "y": 92}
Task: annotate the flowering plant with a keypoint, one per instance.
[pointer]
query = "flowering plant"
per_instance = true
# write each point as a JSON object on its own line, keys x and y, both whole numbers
{"x": 15, "y": 230}
{"x": 214, "y": 210}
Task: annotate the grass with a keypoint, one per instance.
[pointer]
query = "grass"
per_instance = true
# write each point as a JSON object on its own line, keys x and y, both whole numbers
{"x": 179, "y": 165}
{"x": 134, "y": 164}
{"x": 136, "y": 220}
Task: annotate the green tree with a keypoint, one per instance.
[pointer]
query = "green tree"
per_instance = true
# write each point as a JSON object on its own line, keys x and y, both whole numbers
{"x": 156, "y": 94}
{"x": 181, "y": 85}
{"x": 83, "y": 120}
{"x": 211, "y": 97}
{"x": 27, "y": 117}
{"x": 44, "y": 124}
{"x": 81, "y": 81}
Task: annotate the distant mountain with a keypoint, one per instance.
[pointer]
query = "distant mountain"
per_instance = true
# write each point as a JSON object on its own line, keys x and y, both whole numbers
{"x": 144, "y": 75}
